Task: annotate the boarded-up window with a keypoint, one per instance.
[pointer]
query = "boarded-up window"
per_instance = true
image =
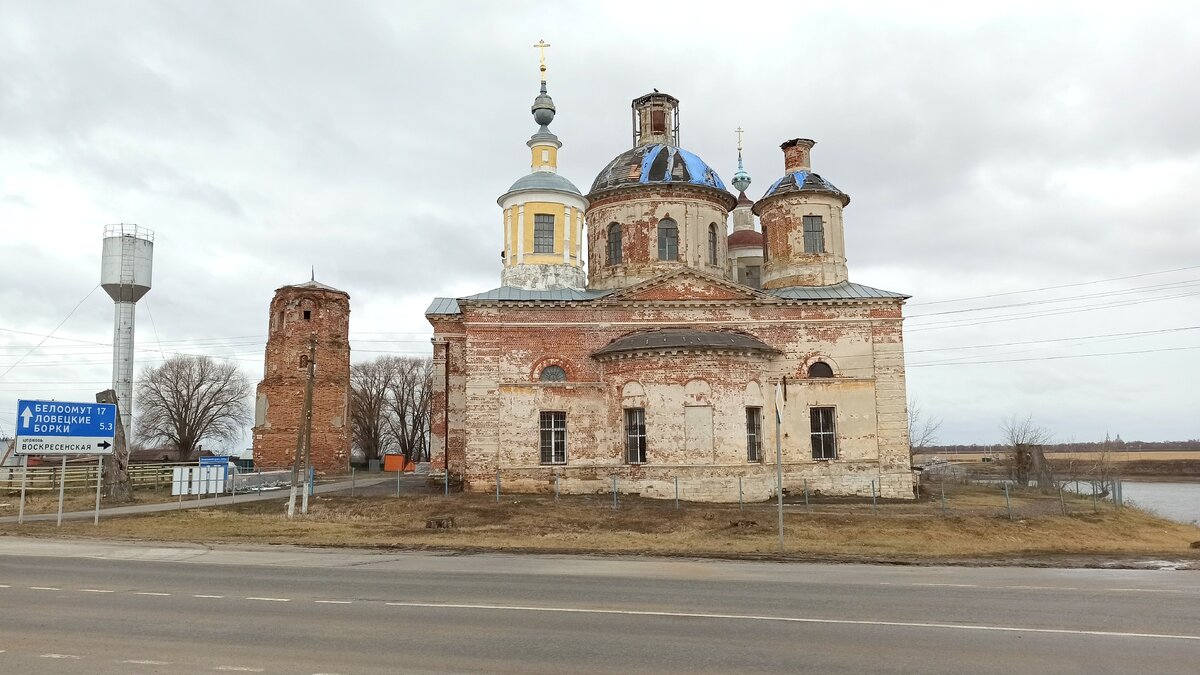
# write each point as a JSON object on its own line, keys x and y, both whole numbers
{"x": 698, "y": 431}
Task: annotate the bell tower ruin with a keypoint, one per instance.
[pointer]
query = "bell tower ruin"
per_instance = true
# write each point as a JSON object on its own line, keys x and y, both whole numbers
{"x": 301, "y": 314}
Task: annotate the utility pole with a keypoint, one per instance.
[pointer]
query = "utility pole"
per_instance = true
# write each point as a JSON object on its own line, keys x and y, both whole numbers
{"x": 308, "y": 400}
{"x": 780, "y": 399}
{"x": 303, "y": 434}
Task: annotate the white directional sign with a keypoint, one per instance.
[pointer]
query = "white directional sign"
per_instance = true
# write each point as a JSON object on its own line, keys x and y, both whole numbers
{"x": 65, "y": 428}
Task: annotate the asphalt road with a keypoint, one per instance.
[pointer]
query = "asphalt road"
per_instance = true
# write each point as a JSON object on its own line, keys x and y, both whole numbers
{"x": 74, "y": 606}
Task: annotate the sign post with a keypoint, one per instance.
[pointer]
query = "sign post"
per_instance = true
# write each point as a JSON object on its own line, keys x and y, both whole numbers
{"x": 64, "y": 428}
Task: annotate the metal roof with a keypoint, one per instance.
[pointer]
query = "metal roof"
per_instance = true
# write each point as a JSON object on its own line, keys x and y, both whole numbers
{"x": 511, "y": 293}
{"x": 316, "y": 285}
{"x": 543, "y": 180}
{"x": 443, "y": 306}
{"x": 684, "y": 338}
{"x": 840, "y": 291}
{"x": 658, "y": 163}
{"x": 804, "y": 181}
{"x": 844, "y": 290}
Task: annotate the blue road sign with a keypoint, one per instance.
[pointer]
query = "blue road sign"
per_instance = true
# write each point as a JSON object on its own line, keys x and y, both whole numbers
{"x": 65, "y": 428}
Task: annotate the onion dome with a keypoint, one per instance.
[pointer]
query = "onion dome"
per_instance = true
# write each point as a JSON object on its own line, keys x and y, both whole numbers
{"x": 745, "y": 239}
{"x": 804, "y": 181}
{"x": 657, "y": 163}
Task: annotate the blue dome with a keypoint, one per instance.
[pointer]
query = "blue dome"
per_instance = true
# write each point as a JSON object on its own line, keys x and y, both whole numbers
{"x": 657, "y": 163}
{"x": 542, "y": 180}
{"x": 803, "y": 181}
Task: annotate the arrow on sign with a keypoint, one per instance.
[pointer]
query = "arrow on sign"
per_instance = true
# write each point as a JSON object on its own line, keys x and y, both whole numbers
{"x": 104, "y": 445}
{"x": 25, "y": 417}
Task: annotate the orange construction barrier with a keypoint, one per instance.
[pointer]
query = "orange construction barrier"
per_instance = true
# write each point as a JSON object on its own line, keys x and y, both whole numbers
{"x": 393, "y": 462}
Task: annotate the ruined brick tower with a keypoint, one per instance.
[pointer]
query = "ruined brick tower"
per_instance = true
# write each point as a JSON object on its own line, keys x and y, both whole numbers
{"x": 298, "y": 312}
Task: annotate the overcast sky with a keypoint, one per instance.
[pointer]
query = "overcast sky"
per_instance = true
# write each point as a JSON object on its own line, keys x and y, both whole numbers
{"x": 987, "y": 150}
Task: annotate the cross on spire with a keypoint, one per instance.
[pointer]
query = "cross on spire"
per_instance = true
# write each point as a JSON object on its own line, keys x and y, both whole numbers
{"x": 739, "y": 131}
{"x": 541, "y": 47}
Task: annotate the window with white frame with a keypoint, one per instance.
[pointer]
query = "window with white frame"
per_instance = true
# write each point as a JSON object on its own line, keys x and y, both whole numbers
{"x": 554, "y": 437}
{"x": 823, "y": 430}
{"x": 668, "y": 240}
{"x": 754, "y": 434}
{"x": 543, "y": 233}
{"x": 635, "y": 435}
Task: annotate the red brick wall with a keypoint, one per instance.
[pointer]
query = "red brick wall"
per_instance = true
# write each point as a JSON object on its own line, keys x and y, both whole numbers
{"x": 280, "y": 404}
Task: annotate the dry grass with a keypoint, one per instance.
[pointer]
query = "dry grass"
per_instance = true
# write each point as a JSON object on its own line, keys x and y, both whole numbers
{"x": 914, "y": 531}
{"x": 46, "y": 501}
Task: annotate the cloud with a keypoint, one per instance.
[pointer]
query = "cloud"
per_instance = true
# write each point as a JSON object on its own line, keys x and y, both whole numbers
{"x": 987, "y": 149}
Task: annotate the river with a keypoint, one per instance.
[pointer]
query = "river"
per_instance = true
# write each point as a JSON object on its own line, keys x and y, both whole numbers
{"x": 1177, "y": 501}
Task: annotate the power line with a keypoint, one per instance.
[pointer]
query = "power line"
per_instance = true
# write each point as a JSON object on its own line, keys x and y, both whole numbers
{"x": 1049, "y": 358}
{"x": 1069, "y": 339}
{"x": 966, "y": 323}
{"x": 1050, "y": 288}
{"x": 1086, "y": 296}
{"x": 51, "y": 333}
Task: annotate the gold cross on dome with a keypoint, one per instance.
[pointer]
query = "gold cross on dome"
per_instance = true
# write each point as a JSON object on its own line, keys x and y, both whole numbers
{"x": 541, "y": 47}
{"x": 739, "y": 131}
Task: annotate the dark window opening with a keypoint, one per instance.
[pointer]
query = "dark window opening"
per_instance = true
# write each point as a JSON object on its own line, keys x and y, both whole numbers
{"x": 766, "y": 249}
{"x": 614, "y": 244}
{"x": 668, "y": 240}
{"x": 820, "y": 369}
{"x": 712, "y": 243}
{"x": 823, "y": 432}
{"x": 553, "y": 374}
{"x": 553, "y": 437}
{"x": 307, "y": 315}
{"x": 543, "y": 233}
{"x": 635, "y": 435}
{"x": 754, "y": 434}
{"x": 814, "y": 234}
{"x": 658, "y": 121}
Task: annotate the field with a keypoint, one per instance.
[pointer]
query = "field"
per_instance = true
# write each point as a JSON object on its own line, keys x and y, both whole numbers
{"x": 899, "y": 531}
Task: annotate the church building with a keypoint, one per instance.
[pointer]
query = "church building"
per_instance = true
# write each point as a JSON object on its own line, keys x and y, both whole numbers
{"x": 633, "y": 336}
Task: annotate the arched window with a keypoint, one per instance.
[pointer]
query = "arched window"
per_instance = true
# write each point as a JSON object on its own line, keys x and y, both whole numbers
{"x": 614, "y": 244}
{"x": 820, "y": 369}
{"x": 712, "y": 243}
{"x": 553, "y": 374}
{"x": 668, "y": 240}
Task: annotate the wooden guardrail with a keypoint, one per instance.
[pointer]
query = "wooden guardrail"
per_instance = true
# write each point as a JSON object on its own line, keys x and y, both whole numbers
{"x": 143, "y": 476}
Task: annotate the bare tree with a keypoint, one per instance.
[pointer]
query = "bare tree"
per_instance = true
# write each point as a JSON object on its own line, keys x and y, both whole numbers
{"x": 922, "y": 429}
{"x": 370, "y": 386}
{"x": 409, "y": 404}
{"x": 190, "y": 399}
{"x": 1026, "y": 441}
{"x": 389, "y": 399}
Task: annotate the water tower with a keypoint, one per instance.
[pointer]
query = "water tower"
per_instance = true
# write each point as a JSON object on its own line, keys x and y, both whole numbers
{"x": 125, "y": 271}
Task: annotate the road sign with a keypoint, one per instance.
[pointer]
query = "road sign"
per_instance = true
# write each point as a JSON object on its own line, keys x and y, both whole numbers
{"x": 65, "y": 428}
